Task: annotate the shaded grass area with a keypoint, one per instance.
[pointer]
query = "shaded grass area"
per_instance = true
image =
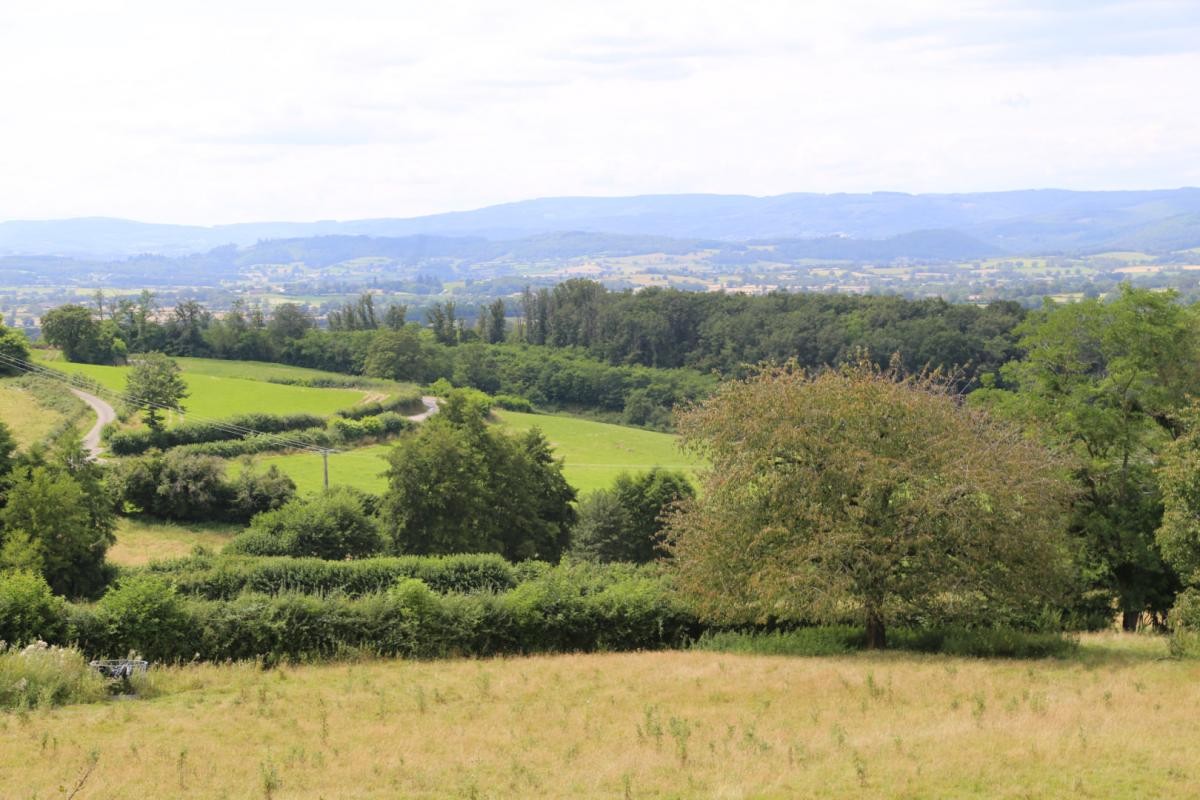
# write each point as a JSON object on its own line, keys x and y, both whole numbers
{"x": 142, "y": 540}
{"x": 844, "y": 639}
{"x": 669, "y": 724}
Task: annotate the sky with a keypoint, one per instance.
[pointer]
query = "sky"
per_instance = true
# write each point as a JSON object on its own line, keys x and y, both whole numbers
{"x": 217, "y": 112}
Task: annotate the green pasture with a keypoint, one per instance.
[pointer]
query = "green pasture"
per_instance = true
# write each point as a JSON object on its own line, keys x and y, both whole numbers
{"x": 594, "y": 453}
{"x": 217, "y": 396}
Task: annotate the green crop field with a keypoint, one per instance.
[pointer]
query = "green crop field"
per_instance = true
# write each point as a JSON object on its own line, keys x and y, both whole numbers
{"x": 224, "y": 389}
{"x": 594, "y": 454}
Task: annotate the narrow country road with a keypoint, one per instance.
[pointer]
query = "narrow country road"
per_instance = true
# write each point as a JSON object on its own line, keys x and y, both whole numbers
{"x": 431, "y": 408}
{"x": 104, "y": 415}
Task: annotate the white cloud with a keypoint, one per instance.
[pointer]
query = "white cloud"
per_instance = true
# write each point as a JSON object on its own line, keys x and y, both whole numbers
{"x": 303, "y": 110}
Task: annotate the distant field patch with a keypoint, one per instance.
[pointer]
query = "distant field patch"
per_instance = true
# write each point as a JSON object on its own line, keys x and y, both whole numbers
{"x": 140, "y": 541}
{"x": 361, "y": 469}
{"x": 217, "y": 396}
{"x": 594, "y": 452}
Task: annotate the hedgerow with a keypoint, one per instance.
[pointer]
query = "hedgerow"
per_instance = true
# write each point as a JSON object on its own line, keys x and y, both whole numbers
{"x": 561, "y": 611}
{"x": 224, "y": 577}
{"x": 139, "y": 440}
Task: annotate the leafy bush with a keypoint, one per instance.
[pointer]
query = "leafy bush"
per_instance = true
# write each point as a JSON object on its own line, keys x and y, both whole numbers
{"x": 186, "y": 486}
{"x": 386, "y": 424}
{"x": 226, "y": 576}
{"x": 140, "y": 440}
{"x": 41, "y": 676}
{"x": 142, "y": 614}
{"x": 1184, "y": 620}
{"x": 512, "y": 402}
{"x": 332, "y": 525}
{"x": 29, "y": 611}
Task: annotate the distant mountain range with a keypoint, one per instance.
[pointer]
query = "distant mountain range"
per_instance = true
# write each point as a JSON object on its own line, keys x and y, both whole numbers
{"x": 882, "y": 225}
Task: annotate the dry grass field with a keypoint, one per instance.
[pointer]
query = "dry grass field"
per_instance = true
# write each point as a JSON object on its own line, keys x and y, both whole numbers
{"x": 25, "y": 417}
{"x": 1118, "y": 721}
{"x": 142, "y": 540}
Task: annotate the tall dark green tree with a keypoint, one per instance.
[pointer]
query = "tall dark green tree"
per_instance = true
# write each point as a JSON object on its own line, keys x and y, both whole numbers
{"x": 58, "y": 520}
{"x": 155, "y": 382}
{"x": 625, "y": 523}
{"x": 1107, "y": 379}
{"x": 82, "y": 338}
{"x": 457, "y": 486}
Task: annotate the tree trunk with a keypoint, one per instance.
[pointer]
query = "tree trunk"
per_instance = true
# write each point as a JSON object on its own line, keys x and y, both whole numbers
{"x": 1129, "y": 620}
{"x": 876, "y": 633}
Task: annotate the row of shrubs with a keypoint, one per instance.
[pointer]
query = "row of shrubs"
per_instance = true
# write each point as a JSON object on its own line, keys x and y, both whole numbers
{"x": 557, "y": 611}
{"x": 226, "y": 576}
{"x": 339, "y": 431}
{"x": 139, "y": 440}
{"x": 403, "y": 403}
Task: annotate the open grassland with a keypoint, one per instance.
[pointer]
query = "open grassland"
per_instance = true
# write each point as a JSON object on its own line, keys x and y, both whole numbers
{"x": 28, "y": 420}
{"x": 595, "y": 453}
{"x": 140, "y": 541}
{"x": 1116, "y": 722}
{"x": 362, "y": 468}
{"x": 217, "y": 396}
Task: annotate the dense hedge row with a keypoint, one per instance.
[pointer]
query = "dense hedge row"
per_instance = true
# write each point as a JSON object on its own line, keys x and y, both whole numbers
{"x": 559, "y": 611}
{"x": 133, "y": 442}
{"x": 224, "y": 577}
{"x": 404, "y": 403}
{"x": 388, "y": 423}
{"x": 260, "y": 443}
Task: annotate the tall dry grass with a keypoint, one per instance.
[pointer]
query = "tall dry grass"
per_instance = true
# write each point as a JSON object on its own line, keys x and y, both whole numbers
{"x": 1117, "y": 721}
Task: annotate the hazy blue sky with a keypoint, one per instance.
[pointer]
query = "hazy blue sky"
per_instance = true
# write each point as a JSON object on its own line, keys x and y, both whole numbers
{"x": 238, "y": 111}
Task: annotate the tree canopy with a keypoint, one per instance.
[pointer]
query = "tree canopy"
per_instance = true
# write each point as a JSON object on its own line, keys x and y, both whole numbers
{"x": 153, "y": 383}
{"x": 1106, "y": 380}
{"x": 458, "y": 486}
{"x": 856, "y": 492}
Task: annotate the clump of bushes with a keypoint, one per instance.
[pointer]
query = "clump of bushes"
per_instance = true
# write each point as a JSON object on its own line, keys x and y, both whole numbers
{"x": 512, "y": 402}
{"x": 29, "y": 610}
{"x": 387, "y": 423}
{"x": 186, "y": 486}
{"x": 260, "y": 443}
{"x": 334, "y": 525}
{"x": 1184, "y": 621}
